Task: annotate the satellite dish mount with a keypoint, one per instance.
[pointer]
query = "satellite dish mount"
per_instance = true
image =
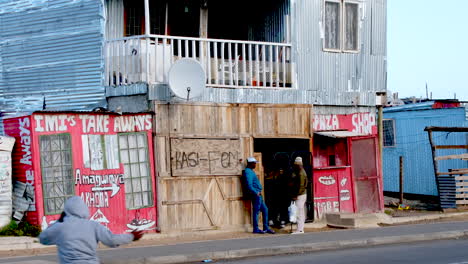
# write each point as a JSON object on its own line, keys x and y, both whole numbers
{"x": 187, "y": 79}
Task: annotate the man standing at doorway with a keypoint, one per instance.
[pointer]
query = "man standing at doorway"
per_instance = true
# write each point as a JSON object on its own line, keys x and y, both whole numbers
{"x": 299, "y": 183}
{"x": 255, "y": 189}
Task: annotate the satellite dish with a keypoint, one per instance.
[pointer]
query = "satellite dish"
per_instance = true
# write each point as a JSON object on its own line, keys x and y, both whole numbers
{"x": 187, "y": 78}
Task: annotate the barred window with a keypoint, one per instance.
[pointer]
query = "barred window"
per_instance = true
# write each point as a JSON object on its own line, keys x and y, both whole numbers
{"x": 57, "y": 172}
{"x": 389, "y": 132}
{"x": 133, "y": 148}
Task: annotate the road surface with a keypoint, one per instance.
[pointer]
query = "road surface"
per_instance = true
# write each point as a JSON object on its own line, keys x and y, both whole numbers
{"x": 438, "y": 252}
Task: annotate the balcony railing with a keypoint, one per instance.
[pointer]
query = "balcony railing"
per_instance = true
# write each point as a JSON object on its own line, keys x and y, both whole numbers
{"x": 227, "y": 63}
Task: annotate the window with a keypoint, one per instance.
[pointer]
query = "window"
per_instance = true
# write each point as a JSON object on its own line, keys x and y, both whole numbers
{"x": 134, "y": 18}
{"x": 57, "y": 172}
{"x": 389, "y": 132}
{"x": 133, "y": 149}
{"x": 100, "y": 152}
{"x": 341, "y": 26}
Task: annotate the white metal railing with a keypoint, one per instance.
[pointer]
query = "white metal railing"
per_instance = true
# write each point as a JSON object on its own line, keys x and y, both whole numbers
{"x": 227, "y": 63}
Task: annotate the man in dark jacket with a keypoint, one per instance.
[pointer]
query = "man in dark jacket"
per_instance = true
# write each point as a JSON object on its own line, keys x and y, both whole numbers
{"x": 299, "y": 193}
{"x": 255, "y": 188}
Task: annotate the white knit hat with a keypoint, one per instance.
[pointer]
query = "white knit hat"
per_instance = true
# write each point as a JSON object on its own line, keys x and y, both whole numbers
{"x": 251, "y": 160}
{"x": 298, "y": 161}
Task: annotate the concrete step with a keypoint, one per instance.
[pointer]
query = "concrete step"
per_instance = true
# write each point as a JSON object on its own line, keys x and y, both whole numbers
{"x": 350, "y": 220}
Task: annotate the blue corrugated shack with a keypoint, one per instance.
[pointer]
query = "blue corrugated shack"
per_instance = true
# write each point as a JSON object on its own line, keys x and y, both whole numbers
{"x": 404, "y": 136}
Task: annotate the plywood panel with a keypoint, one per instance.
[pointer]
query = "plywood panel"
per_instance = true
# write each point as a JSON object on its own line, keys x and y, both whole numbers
{"x": 202, "y": 120}
{"x": 281, "y": 121}
{"x": 192, "y": 203}
{"x": 192, "y": 157}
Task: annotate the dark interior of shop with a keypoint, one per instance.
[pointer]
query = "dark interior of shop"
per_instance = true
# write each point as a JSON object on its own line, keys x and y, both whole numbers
{"x": 278, "y": 155}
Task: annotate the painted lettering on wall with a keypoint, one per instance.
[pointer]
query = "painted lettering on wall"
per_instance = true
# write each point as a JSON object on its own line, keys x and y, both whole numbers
{"x": 132, "y": 123}
{"x": 103, "y": 188}
{"x": 94, "y": 123}
{"x": 91, "y": 123}
{"x": 205, "y": 157}
{"x": 25, "y": 135}
{"x": 326, "y": 122}
{"x": 53, "y": 123}
{"x": 26, "y": 158}
{"x": 227, "y": 160}
{"x": 324, "y": 207}
{"x": 363, "y": 123}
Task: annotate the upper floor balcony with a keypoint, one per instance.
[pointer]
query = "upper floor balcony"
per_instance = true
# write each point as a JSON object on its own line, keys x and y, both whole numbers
{"x": 239, "y": 44}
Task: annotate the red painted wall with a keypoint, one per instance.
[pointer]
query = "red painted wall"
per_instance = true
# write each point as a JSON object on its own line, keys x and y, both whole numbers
{"x": 23, "y": 161}
{"x": 334, "y": 184}
{"x": 102, "y": 189}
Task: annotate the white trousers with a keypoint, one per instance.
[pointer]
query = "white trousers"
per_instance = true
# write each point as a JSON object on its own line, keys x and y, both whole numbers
{"x": 301, "y": 213}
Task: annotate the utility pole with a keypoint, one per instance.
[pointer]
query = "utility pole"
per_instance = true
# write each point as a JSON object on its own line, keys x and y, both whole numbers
{"x": 427, "y": 92}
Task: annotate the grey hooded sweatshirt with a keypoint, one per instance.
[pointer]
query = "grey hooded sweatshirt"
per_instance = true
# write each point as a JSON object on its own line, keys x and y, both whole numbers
{"x": 77, "y": 237}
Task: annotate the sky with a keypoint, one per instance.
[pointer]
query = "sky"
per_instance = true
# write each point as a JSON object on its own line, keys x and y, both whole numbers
{"x": 428, "y": 42}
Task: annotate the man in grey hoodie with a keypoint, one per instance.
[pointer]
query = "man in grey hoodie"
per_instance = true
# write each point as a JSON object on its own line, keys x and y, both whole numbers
{"x": 77, "y": 237}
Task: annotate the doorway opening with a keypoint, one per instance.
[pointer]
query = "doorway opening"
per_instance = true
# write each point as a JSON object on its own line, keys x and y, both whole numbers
{"x": 278, "y": 155}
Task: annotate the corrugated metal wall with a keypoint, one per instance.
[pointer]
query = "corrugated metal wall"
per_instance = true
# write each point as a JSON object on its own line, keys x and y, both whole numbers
{"x": 323, "y": 78}
{"x": 51, "y": 52}
{"x": 413, "y": 144}
{"x": 272, "y": 25}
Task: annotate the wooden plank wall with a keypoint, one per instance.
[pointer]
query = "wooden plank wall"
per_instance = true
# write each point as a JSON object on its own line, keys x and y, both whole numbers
{"x": 208, "y": 195}
{"x": 287, "y": 121}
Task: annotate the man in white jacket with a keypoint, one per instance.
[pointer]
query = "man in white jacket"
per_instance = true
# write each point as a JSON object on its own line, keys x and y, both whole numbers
{"x": 77, "y": 237}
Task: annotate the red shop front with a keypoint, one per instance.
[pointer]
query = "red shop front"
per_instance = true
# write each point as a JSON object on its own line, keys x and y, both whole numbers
{"x": 346, "y": 169}
{"x": 105, "y": 158}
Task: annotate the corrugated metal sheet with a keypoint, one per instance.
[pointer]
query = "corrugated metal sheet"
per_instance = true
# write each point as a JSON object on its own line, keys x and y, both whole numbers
{"x": 272, "y": 23}
{"x": 51, "y": 51}
{"x": 410, "y": 107}
{"x": 413, "y": 144}
{"x": 341, "y": 78}
{"x": 323, "y": 78}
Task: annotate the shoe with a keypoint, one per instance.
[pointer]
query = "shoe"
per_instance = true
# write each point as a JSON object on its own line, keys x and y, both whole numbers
{"x": 258, "y": 232}
{"x": 269, "y": 231}
{"x": 271, "y": 222}
{"x": 297, "y": 232}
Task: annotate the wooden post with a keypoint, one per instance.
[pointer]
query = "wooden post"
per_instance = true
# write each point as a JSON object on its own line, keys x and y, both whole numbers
{"x": 434, "y": 161}
{"x": 401, "y": 179}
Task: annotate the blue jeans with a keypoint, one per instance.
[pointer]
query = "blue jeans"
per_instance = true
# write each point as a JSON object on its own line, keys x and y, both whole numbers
{"x": 259, "y": 205}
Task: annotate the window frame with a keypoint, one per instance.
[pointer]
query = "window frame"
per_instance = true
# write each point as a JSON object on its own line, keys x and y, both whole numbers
{"x": 151, "y": 189}
{"x": 44, "y": 182}
{"x": 394, "y": 133}
{"x": 342, "y": 17}
{"x": 358, "y": 35}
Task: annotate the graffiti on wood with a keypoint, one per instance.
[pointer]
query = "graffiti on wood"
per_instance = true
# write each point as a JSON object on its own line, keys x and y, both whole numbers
{"x": 192, "y": 157}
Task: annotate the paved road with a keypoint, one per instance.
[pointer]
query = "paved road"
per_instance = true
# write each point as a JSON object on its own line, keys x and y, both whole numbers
{"x": 438, "y": 252}
{"x": 259, "y": 242}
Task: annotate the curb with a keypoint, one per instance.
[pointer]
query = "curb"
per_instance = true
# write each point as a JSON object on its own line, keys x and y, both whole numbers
{"x": 295, "y": 249}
